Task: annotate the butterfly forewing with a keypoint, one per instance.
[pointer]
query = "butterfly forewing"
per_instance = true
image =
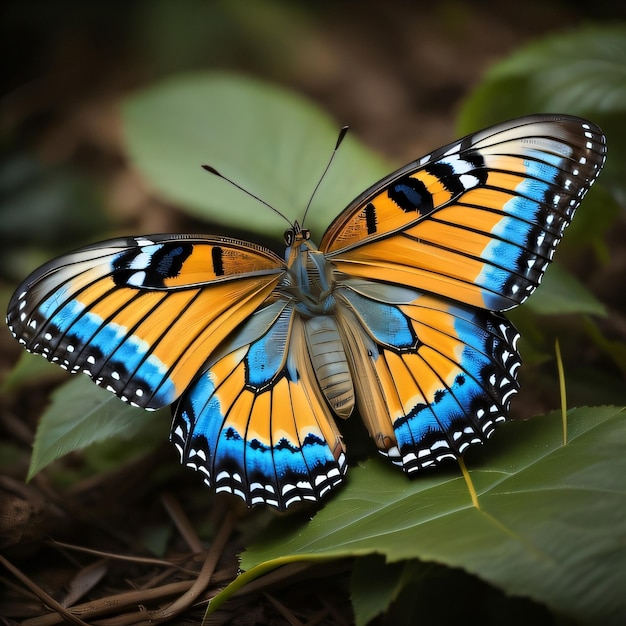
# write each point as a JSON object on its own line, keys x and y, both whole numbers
{"x": 476, "y": 221}
{"x": 141, "y": 315}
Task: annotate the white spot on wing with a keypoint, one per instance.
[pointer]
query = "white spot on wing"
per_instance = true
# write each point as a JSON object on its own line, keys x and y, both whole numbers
{"x": 137, "y": 279}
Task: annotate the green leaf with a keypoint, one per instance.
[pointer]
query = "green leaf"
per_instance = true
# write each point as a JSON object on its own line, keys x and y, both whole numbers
{"x": 582, "y": 72}
{"x": 550, "y": 524}
{"x": 413, "y": 592}
{"x": 268, "y": 140}
{"x": 82, "y": 414}
{"x": 561, "y": 293}
{"x": 375, "y": 584}
{"x": 371, "y": 592}
{"x": 30, "y": 368}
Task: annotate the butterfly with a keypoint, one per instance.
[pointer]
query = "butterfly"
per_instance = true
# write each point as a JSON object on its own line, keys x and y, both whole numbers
{"x": 397, "y": 314}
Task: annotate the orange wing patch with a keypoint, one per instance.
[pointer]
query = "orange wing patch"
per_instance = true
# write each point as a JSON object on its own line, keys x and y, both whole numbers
{"x": 217, "y": 259}
{"x": 376, "y": 213}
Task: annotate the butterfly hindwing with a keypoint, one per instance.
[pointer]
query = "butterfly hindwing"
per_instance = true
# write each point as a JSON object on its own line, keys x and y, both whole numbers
{"x": 255, "y": 422}
{"x": 476, "y": 221}
{"x": 141, "y": 315}
{"x": 436, "y": 379}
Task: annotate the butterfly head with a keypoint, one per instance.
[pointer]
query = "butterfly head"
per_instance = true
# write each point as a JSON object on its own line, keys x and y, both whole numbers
{"x": 298, "y": 245}
{"x": 296, "y": 234}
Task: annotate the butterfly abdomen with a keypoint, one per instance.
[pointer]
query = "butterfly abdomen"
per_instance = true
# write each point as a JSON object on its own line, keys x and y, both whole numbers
{"x": 330, "y": 363}
{"x": 309, "y": 284}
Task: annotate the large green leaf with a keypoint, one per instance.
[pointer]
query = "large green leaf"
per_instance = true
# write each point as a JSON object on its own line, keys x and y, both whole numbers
{"x": 550, "y": 524}
{"x": 268, "y": 140}
{"x": 582, "y": 72}
{"x": 81, "y": 414}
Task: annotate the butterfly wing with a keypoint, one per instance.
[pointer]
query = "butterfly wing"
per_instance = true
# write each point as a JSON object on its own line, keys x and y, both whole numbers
{"x": 255, "y": 422}
{"x": 141, "y": 315}
{"x": 431, "y": 376}
{"x": 476, "y": 221}
{"x": 467, "y": 231}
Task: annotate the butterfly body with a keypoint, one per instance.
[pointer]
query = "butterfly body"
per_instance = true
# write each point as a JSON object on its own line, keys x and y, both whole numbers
{"x": 396, "y": 316}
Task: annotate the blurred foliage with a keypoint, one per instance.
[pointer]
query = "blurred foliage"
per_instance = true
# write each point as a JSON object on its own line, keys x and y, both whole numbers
{"x": 582, "y": 72}
{"x": 158, "y": 37}
{"x": 81, "y": 414}
{"x": 41, "y": 209}
{"x": 269, "y": 140}
{"x": 418, "y": 592}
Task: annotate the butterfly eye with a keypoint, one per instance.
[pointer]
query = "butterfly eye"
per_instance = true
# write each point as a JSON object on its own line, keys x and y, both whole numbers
{"x": 306, "y": 234}
{"x": 289, "y": 236}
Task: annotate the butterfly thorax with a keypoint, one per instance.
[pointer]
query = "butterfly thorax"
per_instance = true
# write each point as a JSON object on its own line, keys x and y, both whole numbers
{"x": 309, "y": 276}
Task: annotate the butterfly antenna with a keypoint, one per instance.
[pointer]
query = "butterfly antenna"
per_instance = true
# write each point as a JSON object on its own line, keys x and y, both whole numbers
{"x": 212, "y": 170}
{"x": 342, "y": 134}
